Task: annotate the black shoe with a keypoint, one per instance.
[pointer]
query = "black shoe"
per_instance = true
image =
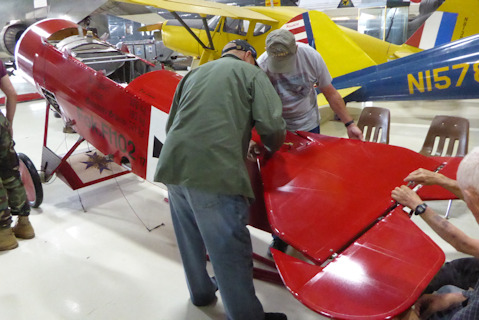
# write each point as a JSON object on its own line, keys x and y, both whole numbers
{"x": 275, "y": 316}
{"x": 204, "y": 303}
{"x": 209, "y": 301}
{"x": 277, "y": 244}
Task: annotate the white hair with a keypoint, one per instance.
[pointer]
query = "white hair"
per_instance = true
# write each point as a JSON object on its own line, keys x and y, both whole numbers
{"x": 468, "y": 171}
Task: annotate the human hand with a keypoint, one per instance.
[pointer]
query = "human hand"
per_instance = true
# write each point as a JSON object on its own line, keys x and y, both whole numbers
{"x": 405, "y": 196}
{"x": 424, "y": 177}
{"x": 253, "y": 151}
{"x": 354, "y": 132}
{"x": 429, "y": 304}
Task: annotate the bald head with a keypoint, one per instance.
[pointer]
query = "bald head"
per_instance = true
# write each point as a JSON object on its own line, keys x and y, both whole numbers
{"x": 468, "y": 181}
{"x": 468, "y": 171}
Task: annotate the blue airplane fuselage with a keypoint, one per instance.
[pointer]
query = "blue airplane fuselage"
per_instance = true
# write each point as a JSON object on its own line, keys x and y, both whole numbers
{"x": 449, "y": 71}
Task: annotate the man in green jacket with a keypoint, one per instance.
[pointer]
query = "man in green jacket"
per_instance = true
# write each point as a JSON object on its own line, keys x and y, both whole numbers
{"x": 202, "y": 162}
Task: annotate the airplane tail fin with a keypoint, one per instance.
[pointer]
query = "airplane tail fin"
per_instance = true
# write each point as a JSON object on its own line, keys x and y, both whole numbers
{"x": 341, "y": 54}
{"x": 453, "y": 20}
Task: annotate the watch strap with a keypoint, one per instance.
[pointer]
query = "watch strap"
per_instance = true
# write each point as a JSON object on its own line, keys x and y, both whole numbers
{"x": 420, "y": 209}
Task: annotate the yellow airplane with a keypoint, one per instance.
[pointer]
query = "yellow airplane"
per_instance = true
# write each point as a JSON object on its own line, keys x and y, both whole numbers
{"x": 205, "y": 42}
{"x": 254, "y": 23}
{"x": 344, "y": 50}
{"x": 250, "y": 23}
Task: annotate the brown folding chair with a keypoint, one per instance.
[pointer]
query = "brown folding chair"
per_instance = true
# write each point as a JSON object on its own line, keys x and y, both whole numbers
{"x": 374, "y": 123}
{"x": 447, "y": 136}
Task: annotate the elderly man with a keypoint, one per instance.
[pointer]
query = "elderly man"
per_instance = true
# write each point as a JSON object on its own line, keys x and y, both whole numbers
{"x": 449, "y": 302}
{"x": 203, "y": 165}
{"x": 13, "y": 199}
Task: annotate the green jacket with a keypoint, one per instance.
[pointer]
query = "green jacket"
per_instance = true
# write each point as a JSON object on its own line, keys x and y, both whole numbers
{"x": 209, "y": 127}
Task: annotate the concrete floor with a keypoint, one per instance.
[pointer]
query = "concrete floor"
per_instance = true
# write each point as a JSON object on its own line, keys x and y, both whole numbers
{"x": 108, "y": 251}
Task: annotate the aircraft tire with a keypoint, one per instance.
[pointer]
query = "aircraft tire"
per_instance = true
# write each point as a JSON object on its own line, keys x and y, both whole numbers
{"x": 31, "y": 181}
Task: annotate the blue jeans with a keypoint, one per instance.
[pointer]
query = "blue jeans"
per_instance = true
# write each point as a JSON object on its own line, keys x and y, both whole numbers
{"x": 216, "y": 223}
{"x": 315, "y": 130}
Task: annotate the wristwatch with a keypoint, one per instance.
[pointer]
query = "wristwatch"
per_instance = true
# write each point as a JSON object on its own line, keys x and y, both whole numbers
{"x": 420, "y": 209}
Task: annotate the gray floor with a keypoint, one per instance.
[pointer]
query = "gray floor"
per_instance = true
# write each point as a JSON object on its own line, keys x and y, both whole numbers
{"x": 108, "y": 251}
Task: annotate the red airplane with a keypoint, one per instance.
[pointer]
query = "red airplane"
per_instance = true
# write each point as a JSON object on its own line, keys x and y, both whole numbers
{"x": 74, "y": 73}
{"x": 327, "y": 197}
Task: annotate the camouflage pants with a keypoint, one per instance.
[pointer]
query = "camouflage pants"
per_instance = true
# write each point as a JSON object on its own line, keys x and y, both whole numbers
{"x": 13, "y": 199}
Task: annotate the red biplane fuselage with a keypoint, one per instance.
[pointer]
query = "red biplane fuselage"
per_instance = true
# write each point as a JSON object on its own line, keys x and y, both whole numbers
{"x": 124, "y": 119}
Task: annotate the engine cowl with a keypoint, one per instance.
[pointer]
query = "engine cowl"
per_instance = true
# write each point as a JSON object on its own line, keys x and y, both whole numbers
{"x": 10, "y": 35}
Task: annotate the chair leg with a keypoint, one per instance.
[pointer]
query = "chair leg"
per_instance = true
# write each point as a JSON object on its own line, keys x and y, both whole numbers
{"x": 446, "y": 216}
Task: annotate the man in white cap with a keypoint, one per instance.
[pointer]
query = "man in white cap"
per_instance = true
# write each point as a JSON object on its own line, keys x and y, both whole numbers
{"x": 296, "y": 70}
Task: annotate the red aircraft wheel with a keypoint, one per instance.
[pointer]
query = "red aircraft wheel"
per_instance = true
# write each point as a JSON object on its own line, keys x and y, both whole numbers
{"x": 31, "y": 181}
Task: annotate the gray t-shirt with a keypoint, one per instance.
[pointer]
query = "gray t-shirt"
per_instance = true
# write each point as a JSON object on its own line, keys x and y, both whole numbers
{"x": 296, "y": 89}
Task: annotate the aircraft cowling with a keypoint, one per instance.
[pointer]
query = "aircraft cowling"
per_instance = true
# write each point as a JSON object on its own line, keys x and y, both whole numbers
{"x": 89, "y": 48}
{"x": 10, "y": 35}
{"x": 31, "y": 44}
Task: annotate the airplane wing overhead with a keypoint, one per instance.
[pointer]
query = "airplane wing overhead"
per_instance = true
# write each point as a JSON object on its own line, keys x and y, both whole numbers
{"x": 332, "y": 202}
{"x": 145, "y": 18}
{"x": 204, "y": 8}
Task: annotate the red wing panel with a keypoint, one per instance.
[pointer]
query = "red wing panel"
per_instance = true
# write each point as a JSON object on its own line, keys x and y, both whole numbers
{"x": 379, "y": 276}
{"x": 322, "y": 192}
{"x": 156, "y": 87}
